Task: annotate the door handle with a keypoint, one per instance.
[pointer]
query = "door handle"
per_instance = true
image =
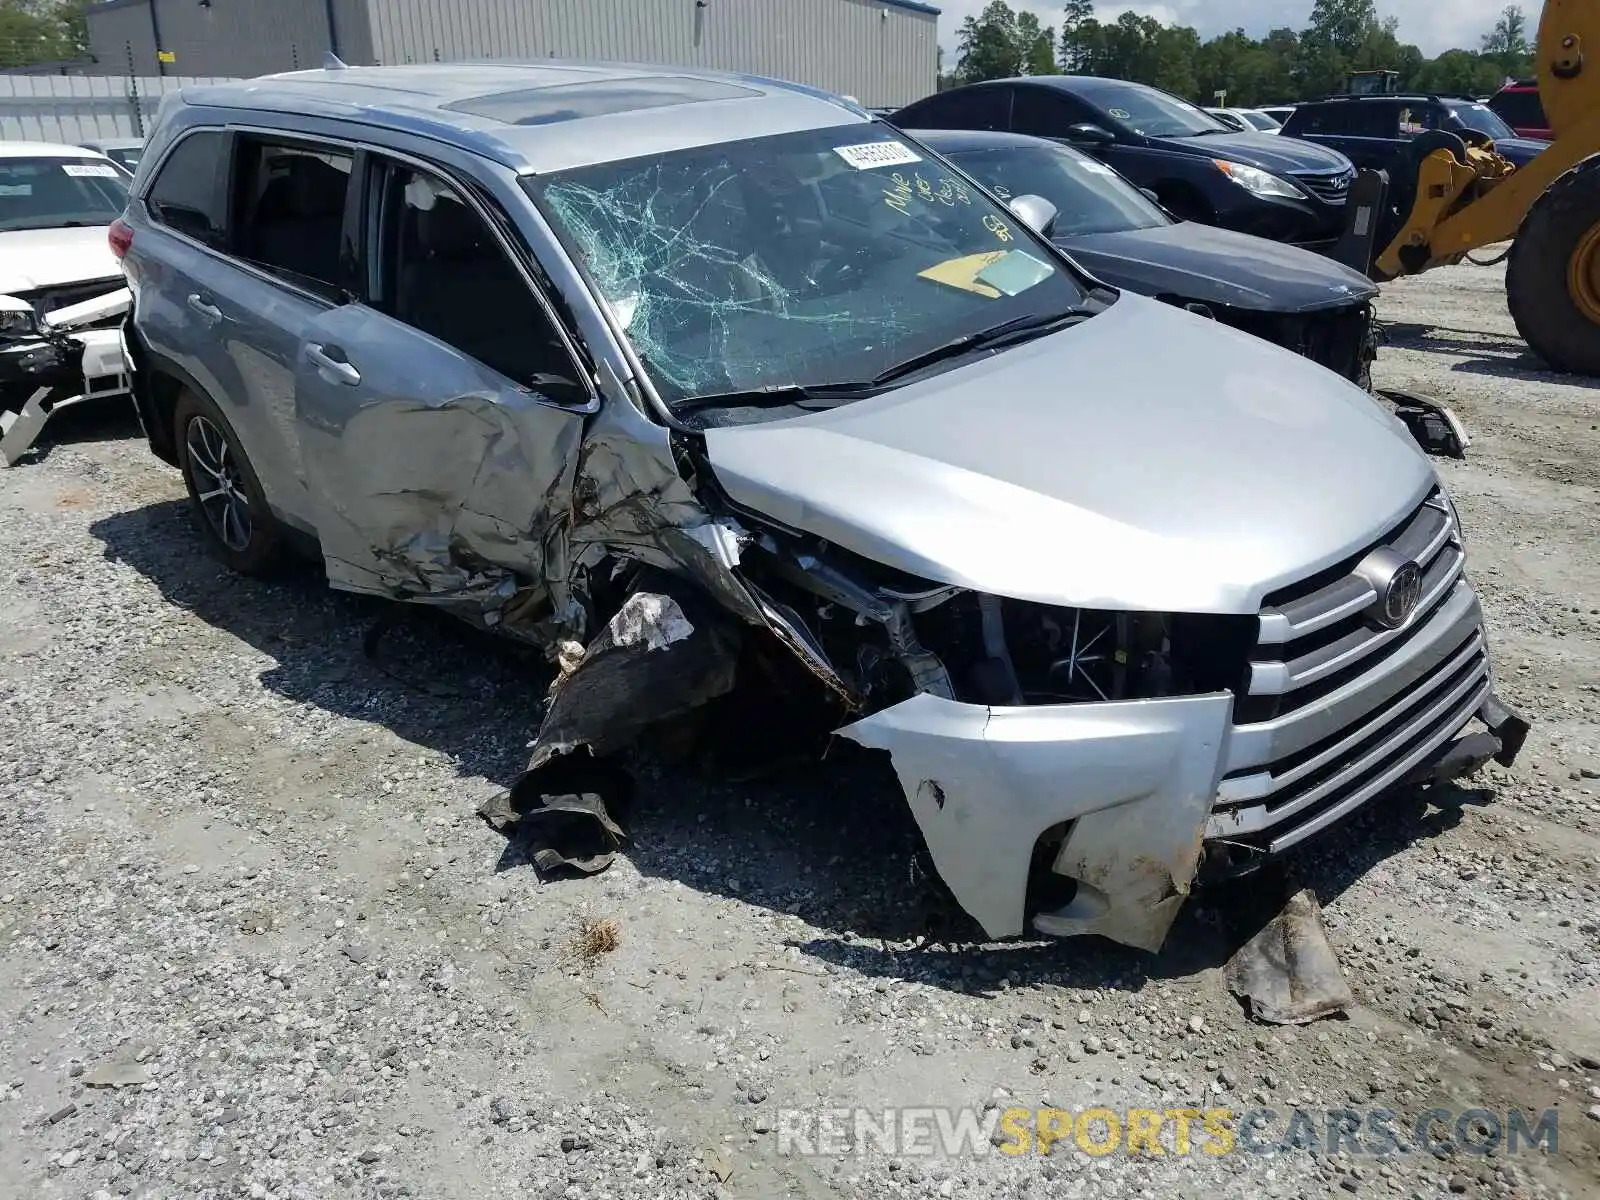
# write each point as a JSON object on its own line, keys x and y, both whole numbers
{"x": 205, "y": 308}
{"x": 334, "y": 370}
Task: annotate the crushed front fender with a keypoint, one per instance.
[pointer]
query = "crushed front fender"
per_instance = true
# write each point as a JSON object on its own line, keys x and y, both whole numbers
{"x": 1133, "y": 781}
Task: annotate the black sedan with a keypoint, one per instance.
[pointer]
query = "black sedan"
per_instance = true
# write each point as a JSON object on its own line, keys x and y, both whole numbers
{"x": 1300, "y": 300}
{"x": 1279, "y": 188}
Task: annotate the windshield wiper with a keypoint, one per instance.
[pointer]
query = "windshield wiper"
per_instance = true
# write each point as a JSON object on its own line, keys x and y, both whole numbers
{"x": 1006, "y": 333}
{"x": 778, "y": 395}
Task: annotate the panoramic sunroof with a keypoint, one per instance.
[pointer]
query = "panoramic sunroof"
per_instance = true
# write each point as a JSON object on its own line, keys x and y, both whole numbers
{"x": 574, "y": 101}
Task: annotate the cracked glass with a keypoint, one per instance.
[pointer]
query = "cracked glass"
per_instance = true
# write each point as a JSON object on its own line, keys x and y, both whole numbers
{"x": 807, "y": 258}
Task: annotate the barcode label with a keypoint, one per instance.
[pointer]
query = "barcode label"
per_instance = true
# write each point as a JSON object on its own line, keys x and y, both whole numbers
{"x": 877, "y": 154}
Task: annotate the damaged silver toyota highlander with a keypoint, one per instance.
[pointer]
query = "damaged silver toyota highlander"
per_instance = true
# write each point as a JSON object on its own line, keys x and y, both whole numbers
{"x": 703, "y": 382}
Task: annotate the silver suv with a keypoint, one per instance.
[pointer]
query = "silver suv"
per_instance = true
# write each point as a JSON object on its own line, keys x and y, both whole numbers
{"x": 707, "y": 383}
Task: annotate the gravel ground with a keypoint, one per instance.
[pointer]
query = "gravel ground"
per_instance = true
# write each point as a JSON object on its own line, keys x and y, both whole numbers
{"x": 255, "y": 942}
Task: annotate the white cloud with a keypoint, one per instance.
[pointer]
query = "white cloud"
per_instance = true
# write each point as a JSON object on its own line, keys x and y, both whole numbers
{"x": 1434, "y": 27}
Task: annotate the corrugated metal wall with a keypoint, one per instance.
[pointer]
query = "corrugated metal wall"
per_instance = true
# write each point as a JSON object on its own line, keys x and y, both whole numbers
{"x": 80, "y": 108}
{"x": 354, "y": 27}
{"x": 227, "y": 37}
{"x": 119, "y": 35}
{"x": 881, "y": 54}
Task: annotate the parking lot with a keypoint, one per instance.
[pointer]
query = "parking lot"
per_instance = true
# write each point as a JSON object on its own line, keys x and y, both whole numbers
{"x": 255, "y": 941}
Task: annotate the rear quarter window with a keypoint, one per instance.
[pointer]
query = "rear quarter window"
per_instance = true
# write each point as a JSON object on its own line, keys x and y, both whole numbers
{"x": 187, "y": 194}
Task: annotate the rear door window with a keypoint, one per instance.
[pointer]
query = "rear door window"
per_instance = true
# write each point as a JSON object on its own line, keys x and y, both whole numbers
{"x": 187, "y": 193}
{"x": 441, "y": 269}
{"x": 289, "y": 205}
{"x": 1045, "y": 112}
{"x": 964, "y": 108}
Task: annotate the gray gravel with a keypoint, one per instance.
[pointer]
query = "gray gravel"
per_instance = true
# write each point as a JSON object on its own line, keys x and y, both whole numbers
{"x": 254, "y": 941}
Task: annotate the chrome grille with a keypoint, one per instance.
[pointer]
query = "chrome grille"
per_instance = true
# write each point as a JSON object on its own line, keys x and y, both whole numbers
{"x": 1331, "y": 187}
{"x": 1337, "y": 708}
{"x": 1313, "y": 637}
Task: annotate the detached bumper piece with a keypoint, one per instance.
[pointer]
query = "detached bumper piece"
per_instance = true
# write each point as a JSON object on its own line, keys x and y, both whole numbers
{"x": 1437, "y": 430}
{"x": 56, "y": 374}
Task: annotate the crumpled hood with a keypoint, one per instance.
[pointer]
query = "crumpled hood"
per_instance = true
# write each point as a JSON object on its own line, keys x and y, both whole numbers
{"x": 1219, "y": 266}
{"x": 1144, "y": 459}
{"x": 39, "y": 258}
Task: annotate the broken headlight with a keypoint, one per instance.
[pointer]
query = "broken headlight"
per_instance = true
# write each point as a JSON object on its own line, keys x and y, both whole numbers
{"x": 18, "y": 320}
{"x": 1008, "y": 652}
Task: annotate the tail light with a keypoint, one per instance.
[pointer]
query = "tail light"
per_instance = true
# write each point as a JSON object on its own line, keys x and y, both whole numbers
{"x": 120, "y": 235}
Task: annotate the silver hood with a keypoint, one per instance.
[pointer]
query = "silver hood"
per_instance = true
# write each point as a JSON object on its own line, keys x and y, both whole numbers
{"x": 1144, "y": 459}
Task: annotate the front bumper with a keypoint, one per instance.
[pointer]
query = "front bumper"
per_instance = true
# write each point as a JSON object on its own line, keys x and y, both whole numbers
{"x": 1143, "y": 797}
{"x": 42, "y": 377}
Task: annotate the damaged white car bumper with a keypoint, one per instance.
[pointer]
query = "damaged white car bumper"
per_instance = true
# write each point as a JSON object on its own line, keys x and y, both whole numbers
{"x": 74, "y": 356}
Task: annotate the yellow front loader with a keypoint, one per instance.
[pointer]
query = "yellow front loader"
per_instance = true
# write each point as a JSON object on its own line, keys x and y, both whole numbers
{"x": 1464, "y": 197}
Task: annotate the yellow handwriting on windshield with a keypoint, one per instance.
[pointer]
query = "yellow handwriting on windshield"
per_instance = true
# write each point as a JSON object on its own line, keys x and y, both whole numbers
{"x": 939, "y": 190}
{"x": 997, "y": 227}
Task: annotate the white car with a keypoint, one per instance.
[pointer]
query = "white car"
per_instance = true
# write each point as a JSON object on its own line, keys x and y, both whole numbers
{"x": 1246, "y": 120}
{"x": 62, "y": 292}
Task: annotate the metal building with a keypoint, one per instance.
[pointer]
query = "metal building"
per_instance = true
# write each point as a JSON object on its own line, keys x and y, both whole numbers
{"x": 882, "y": 52}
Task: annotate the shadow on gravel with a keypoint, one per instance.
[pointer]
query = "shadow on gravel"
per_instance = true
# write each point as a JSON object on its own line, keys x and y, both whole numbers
{"x": 830, "y": 841}
{"x": 1491, "y": 354}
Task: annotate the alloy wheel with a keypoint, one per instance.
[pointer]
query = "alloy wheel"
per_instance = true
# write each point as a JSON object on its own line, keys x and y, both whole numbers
{"x": 219, "y": 483}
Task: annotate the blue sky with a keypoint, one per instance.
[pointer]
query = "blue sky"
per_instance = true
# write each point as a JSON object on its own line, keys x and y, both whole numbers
{"x": 1436, "y": 26}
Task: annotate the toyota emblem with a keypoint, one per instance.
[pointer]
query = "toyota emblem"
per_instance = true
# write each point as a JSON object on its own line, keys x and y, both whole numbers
{"x": 1400, "y": 599}
{"x": 1397, "y": 585}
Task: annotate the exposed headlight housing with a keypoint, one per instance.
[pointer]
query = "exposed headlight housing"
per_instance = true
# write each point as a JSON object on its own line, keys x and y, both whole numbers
{"x": 18, "y": 320}
{"x": 1258, "y": 182}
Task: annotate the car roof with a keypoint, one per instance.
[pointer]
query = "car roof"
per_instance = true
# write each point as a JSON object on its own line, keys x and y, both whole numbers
{"x": 548, "y": 115}
{"x": 45, "y": 150}
{"x": 116, "y": 143}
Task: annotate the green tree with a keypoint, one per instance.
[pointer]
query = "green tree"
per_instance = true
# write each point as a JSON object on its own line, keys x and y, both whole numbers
{"x": 1078, "y": 28}
{"x": 986, "y": 45}
{"x": 1036, "y": 46}
{"x": 1341, "y": 26}
{"x": 1507, "y": 42}
{"x": 1459, "y": 73}
{"x": 34, "y": 32}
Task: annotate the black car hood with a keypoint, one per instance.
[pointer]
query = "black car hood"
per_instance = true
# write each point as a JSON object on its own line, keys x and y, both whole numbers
{"x": 1218, "y": 266}
{"x": 1269, "y": 151}
{"x": 1520, "y": 151}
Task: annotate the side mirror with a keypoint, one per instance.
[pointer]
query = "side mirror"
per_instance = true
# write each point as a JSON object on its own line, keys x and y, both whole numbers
{"x": 1037, "y": 213}
{"x": 1150, "y": 195}
{"x": 1090, "y": 135}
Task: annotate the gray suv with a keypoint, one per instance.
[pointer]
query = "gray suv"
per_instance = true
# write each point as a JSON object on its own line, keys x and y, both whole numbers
{"x": 710, "y": 385}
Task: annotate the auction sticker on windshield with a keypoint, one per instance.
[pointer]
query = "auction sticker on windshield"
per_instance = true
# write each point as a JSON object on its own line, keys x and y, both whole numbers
{"x": 877, "y": 154}
{"x": 90, "y": 170}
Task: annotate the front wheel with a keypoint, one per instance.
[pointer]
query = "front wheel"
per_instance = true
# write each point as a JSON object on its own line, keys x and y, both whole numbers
{"x": 1553, "y": 280}
{"x": 224, "y": 493}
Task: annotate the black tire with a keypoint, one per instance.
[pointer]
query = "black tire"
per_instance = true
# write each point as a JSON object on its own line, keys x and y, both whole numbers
{"x": 224, "y": 493}
{"x": 1541, "y": 301}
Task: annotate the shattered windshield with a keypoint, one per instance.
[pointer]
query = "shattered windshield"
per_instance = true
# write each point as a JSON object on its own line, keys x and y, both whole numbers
{"x": 53, "y": 193}
{"x": 811, "y": 258}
